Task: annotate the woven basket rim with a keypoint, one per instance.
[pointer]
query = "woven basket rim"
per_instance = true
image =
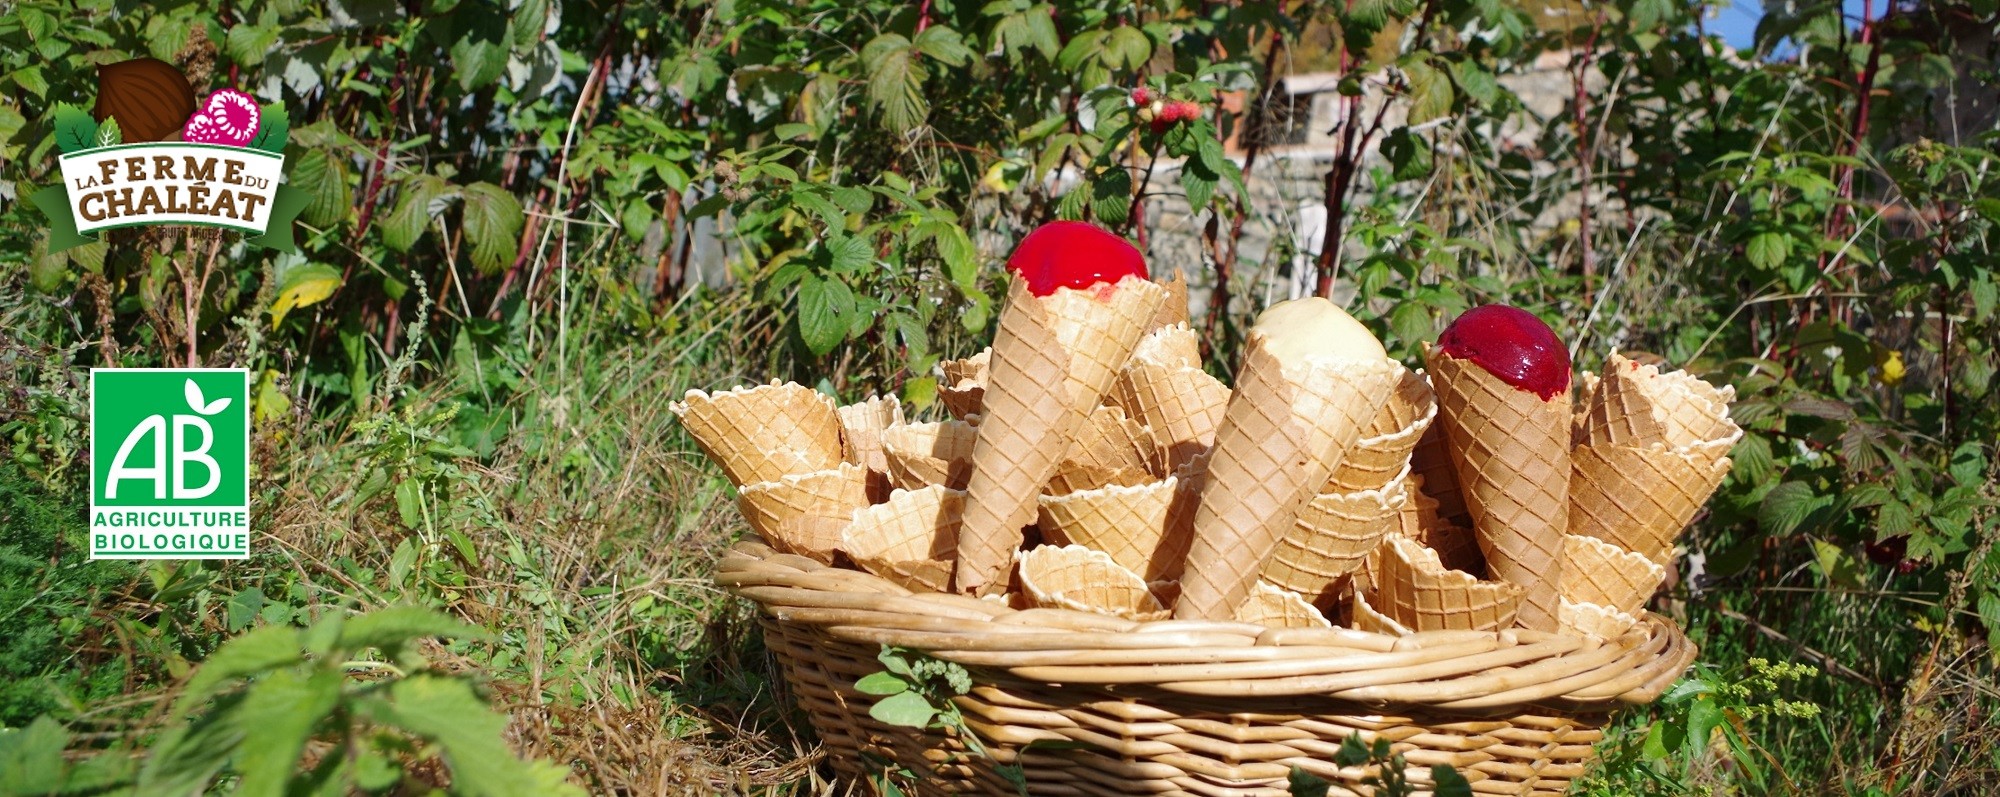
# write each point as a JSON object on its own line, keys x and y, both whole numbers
{"x": 1471, "y": 671}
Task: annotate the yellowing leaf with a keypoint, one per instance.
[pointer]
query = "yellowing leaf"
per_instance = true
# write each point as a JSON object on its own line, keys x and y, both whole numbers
{"x": 304, "y": 287}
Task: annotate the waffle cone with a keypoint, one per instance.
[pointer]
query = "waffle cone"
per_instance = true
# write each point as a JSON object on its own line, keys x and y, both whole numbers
{"x": 1174, "y": 309}
{"x": 1634, "y": 404}
{"x": 1431, "y": 463}
{"x": 1053, "y": 358}
{"x": 775, "y": 508}
{"x": 861, "y": 426}
{"x": 1419, "y": 592}
{"x": 1109, "y": 449}
{"x": 1640, "y": 498}
{"x": 963, "y": 384}
{"x": 1457, "y": 548}
{"x": 1510, "y": 449}
{"x": 1078, "y": 578}
{"x": 1278, "y": 607}
{"x": 1590, "y": 619}
{"x": 1595, "y": 571}
{"x": 922, "y": 454}
{"x": 1333, "y": 534}
{"x": 1419, "y": 512}
{"x": 1385, "y": 445}
{"x": 761, "y": 433}
{"x": 1284, "y": 431}
{"x": 1181, "y": 405}
{"x": 908, "y": 539}
{"x": 1366, "y": 618}
{"x": 1145, "y": 528}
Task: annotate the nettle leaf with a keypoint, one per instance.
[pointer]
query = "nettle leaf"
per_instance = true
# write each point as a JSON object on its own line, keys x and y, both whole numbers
{"x": 945, "y": 45}
{"x": 390, "y": 629}
{"x": 1430, "y": 90}
{"x": 1787, "y": 506}
{"x": 253, "y": 653}
{"x": 423, "y": 197}
{"x": 895, "y": 82}
{"x": 75, "y": 129}
{"x": 446, "y": 711}
{"x": 493, "y": 220}
{"x": 274, "y": 126}
{"x": 277, "y": 716}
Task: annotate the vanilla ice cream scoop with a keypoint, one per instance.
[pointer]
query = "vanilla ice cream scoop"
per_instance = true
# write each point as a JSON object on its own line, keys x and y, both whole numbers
{"x": 1314, "y": 328}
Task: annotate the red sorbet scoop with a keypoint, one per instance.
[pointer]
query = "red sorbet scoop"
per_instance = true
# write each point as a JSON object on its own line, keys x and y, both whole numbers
{"x": 1074, "y": 254}
{"x": 1512, "y": 344}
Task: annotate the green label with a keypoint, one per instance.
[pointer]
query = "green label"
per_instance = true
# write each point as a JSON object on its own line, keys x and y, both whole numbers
{"x": 169, "y": 463}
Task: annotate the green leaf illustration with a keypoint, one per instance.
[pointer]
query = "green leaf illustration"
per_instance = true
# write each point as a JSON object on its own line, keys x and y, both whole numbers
{"x": 75, "y": 130}
{"x": 109, "y": 134}
{"x": 274, "y": 126}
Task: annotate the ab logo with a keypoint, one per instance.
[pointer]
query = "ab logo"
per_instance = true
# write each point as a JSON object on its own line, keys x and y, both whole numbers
{"x": 170, "y": 463}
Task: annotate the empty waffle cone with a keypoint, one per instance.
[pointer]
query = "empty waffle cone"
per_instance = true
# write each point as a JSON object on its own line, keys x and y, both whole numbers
{"x": 861, "y": 426}
{"x": 1634, "y": 404}
{"x": 1384, "y": 449}
{"x": 1366, "y": 618}
{"x": 1174, "y": 309}
{"x": 774, "y": 508}
{"x": 908, "y": 539}
{"x": 1332, "y": 536}
{"x": 1181, "y": 405}
{"x": 1109, "y": 449}
{"x": 1431, "y": 463}
{"x": 1640, "y": 498}
{"x": 1510, "y": 448}
{"x": 1284, "y": 431}
{"x": 922, "y": 454}
{"x": 1078, "y": 578}
{"x": 761, "y": 433}
{"x": 1277, "y": 607}
{"x": 1419, "y": 512}
{"x": 1144, "y": 528}
{"x": 1419, "y": 592}
{"x": 962, "y": 383}
{"x": 1595, "y": 571}
{"x": 1053, "y": 358}
{"x": 1591, "y": 619}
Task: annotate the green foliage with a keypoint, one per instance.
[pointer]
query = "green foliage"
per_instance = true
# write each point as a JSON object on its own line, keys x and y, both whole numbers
{"x": 1388, "y": 774}
{"x": 51, "y": 591}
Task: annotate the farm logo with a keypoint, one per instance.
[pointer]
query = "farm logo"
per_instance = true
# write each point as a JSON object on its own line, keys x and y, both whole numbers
{"x": 148, "y": 154}
{"x": 169, "y": 463}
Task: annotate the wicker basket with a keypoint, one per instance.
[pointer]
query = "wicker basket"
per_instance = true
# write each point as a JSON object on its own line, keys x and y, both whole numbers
{"x": 1094, "y": 705}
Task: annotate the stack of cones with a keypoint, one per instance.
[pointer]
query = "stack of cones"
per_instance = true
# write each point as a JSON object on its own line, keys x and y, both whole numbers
{"x": 1650, "y": 450}
{"x": 1383, "y": 453}
{"x": 1078, "y": 578}
{"x": 1331, "y": 537}
{"x": 1509, "y": 449}
{"x": 1367, "y": 618}
{"x": 1276, "y": 607}
{"x": 1110, "y": 449}
{"x": 1165, "y": 388}
{"x": 1420, "y": 593}
{"x": 861, "y": 427}
{"x": 1283, "y": 433}
{"x": 1598, "y": 572}
{"x": 962, "y": 384}
{"x": 781, "y": 445}
{"x": 909, "y": 539}
{"x": 922, "y": 454}
{"x": 1053, "y": 358}
{"x": 1145, "y": 528}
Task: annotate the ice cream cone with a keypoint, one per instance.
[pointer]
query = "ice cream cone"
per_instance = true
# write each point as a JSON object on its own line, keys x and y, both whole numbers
{"x": 1419, "y": 512}
{"x": 1053, "y": 358}
{"x": 1366, "y": 618}
{"x": 1640, "y": 498}
{"x": 1510, "y": 448}
{"x": 1431, "y": 463}
{"x": 1421, "y": 593}
{"x": 921, "y": 454}
{"x": 1385, "y": 445}
{"x": 1284, "y": 431}
{"x": 831, "y": 494}
{"x": 1637, "y": 405}
{"x": 1590, "y": 619}
{"x": 1078, "y": 578}
{"x": 1595, "y": 571}
{"x": 908, "y": 539}
{"x": 861, "y": 426}
{"x": 1174, "y": 310}
{"x": 1277, "y": 607}
{"x": 1181, "y": 404}
{"x": 761, "y": 433}
{"x": 1331, "y": 537}
{"x": 962, "y": 383}
{"x": 1109, "y": 449}
{"x": 1145, "y": 528}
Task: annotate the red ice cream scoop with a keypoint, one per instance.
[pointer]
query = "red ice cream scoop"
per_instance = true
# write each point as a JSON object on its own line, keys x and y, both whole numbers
{"x": 1512, "y": 344}
{"x": 1074, "y": 254}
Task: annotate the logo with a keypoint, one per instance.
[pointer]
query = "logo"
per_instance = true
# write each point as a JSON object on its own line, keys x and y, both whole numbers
{"x": 169, "y": 463}
{"x": 148, "y": 154}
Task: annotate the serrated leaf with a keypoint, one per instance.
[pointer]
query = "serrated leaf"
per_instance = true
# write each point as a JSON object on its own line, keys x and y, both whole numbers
{"x": 1448, "y": 782}
{"x": 824, "y": 305}
{"x": 1409, "y": 154}
{"x": 1300, "y": 783}
{"x": 280, "y": 711}
{"x": 849, "y": 253}
{"x": 75, "y": 129}
{"x": 248, "y": 44}
{"x": 274, "y": 125}
{"x": 1704, "y": 715}
{"x": 1786, "y": 507}
{"x": 493, "y": 220}
{"x": 895, "y": 82}
{"x": 1836, "y": 565}
{"x": 303, "y": 287}
{"x": 323, "y": 178}
{"x": 1768, "y": 250}
{"x": 944, "y": 44}
{"x": 1126, "y": 47}
{"x": 446, "y": 711}
{"x": 108, "y": 133}
{"x": 31, "y": 758}
{"x": 253, "y": 653}
{"x": 1894, "y": 519}
{"x": 1430, "y": 91}
{"x": 1111, "y": 197}
{"x": 478, "y": 60}
{"x": 389, "y": 629}
{"x": 904, "y": 709}
{"x": 422, "y": 198}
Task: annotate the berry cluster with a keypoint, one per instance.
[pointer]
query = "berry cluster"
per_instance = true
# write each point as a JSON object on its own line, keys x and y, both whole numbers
{"x": 1163, "y": 113}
